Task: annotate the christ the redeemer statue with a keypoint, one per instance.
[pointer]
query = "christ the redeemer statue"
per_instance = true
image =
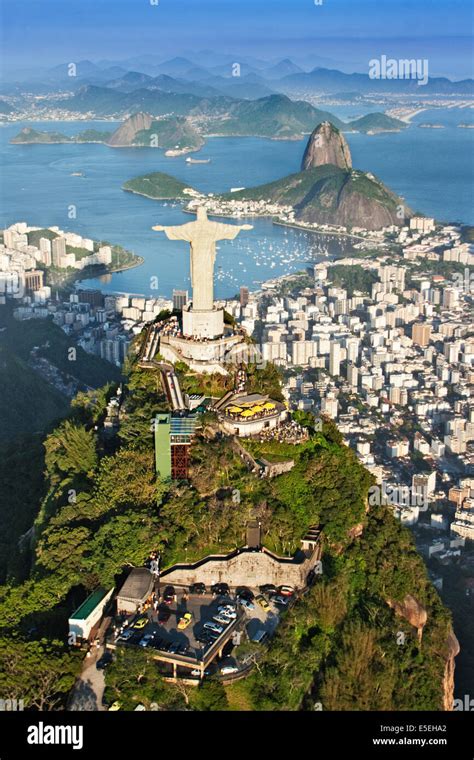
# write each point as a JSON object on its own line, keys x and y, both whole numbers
{"x": 203, "y": 236}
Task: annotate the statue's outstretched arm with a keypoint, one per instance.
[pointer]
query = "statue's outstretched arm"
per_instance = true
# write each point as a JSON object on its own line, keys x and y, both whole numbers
{"x": 230, "y": 231}
{"x": 174, "y": 233}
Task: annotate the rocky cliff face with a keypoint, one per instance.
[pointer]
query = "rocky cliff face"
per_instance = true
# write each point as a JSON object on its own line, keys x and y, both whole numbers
{"x": 452, "y": 650}
{"x": 415, "y": 614}
{"x": 127, "y": 131}
{"x": 352, "y": 199}
{"x": 326, "y": 146}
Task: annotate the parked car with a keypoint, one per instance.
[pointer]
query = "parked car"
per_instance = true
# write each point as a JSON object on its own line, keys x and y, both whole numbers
{"x": 157, "y": 643}
{"x": 163, "y": 614}
{"x": 206, "y": 637}
{"x": 197, "y": 588}
{"x": 115, "y": 706}
{"x": 268, "y": 588}
{"x": 282, "y": 600}
{"x": 184, "y": 621}
{"x": 221, "y": 620}
{"x": 103, "y": 661}
{"x": 169, "y": 595}
{"x": 211, "y": 626}
{"x": 220, "y": 589}
{"x": 245, "y": 592}
{"x": 146, "y": 639}
{"x": 140, "y": 623}
{"x": 126, "y": 635}
{"x": 246, "y": 603}
{"x": 227, "y": 612}
{"x": 196, "y": 673}
{"x": 260, "y": 637}
{"x": 262, "y": 602}
{"x": 286, "y": 590}
{"x": 228, "y": 669}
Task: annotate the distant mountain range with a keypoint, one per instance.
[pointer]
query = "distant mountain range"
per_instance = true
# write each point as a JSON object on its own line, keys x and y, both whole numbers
{"x": 272, "y": 116}
{"x": 275, "y": 117}
{"x": 237, "y": 76}
{"x": 322, "y": 80}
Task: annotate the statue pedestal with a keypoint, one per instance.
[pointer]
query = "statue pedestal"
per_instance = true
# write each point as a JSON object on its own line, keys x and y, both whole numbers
{"x": 203, "y": 356}
{"x": 203, "y": 324}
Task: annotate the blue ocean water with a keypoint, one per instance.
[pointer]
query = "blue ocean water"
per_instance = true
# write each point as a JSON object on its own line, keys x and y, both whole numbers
{"x": 431, "y": 168}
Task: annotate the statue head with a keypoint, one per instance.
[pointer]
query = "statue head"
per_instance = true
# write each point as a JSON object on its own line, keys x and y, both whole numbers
{"x": 201, "y": 214}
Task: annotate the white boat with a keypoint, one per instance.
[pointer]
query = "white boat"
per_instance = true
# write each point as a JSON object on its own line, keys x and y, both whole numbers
{"x": 198, "y": 160}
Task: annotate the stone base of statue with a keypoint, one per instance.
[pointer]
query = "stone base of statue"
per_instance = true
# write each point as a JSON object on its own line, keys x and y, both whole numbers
{"x": 205, "y": 356}
{"x": 207, "y": 325}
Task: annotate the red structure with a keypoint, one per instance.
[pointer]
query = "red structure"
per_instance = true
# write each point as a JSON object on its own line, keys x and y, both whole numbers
{"x": 179, "y": 461}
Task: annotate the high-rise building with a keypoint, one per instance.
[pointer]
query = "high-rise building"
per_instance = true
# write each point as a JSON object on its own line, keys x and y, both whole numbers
{"x": 352, "y": 375}
{"x": 180, "y": 299}
{"x": 45, "y": 248}
{"x": 422, "y": 223}
{"x": 58, "y": 250}
{"x": 244, "y": 296}
{"x": 329, "y": 406}
{"x": 451, "y": 351}
{"x": 335, "y": 359}
{"x": 92, "y": 297}
{"x": 421, "y": 334}
{"x": 34, "y": 280}
{"x": 450, "y": 298}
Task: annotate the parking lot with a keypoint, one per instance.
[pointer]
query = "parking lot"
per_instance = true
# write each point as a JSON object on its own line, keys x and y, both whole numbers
{"x": 176, "y": 623}
{"x": 161, "y": 631}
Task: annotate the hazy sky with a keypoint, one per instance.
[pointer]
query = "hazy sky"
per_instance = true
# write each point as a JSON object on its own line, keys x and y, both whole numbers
{"x": 345, "y": 32}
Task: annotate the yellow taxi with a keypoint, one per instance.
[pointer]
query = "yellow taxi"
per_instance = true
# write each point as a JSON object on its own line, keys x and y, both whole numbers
{"x": 184, "y": 621}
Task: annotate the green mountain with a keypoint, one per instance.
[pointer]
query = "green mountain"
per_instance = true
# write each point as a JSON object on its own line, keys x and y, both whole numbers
{"x": 29, "y": 135}
{"x": 376, "y": 122}
{"x": 329, "y": 195}
{"x": 93, "y": 135}
{"x": 271, "y": 116}
{"x": 139, "y": 130}
{"x": 275, "y": 116}
{"x": 157, "y": 185}
{"x": 33, "y": 136}
{"x": 103, "y": 101}
{"x": 326, "y": 193}
{"x": 172, "y": 133}
{"x": 338, "y": 645}
{"x": 28, "y": 403}
{"x": 327, "y": 190}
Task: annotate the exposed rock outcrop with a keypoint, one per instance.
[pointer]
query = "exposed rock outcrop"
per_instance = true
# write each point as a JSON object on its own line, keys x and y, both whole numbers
{"x": 413, "y": 612}
{"x": 416, "y": 615}
{"x": 326, "y": 146}
{"x": 453, "y": 649}
{"x": 127, "y": 131}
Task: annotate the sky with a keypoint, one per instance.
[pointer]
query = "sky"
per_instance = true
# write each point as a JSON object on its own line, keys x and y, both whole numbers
{"x": 344, "y": 34}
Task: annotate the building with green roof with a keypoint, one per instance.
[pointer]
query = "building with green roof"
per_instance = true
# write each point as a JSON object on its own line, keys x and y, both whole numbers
{"x": 85, "y": 620}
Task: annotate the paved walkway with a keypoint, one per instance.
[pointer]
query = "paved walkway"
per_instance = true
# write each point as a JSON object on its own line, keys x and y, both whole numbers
{"x": 88, "y": 691}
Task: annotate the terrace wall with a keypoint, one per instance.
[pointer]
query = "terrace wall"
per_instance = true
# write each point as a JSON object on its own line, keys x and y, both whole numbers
{"x": 245, "y": 568}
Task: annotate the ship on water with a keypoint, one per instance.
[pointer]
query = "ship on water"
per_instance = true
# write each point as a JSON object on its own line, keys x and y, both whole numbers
{"x": 198, "y": 160}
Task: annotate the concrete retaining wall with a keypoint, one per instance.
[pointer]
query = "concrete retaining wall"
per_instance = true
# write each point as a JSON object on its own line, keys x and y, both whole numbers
{"x": 245, "y": 568}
